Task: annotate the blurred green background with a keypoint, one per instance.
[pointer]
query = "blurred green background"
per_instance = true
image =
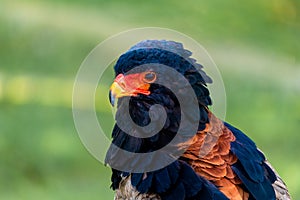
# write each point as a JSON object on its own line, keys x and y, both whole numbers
{"x": 255, "y": 44}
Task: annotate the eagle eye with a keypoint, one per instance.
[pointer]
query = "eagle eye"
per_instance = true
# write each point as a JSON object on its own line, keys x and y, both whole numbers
{"x": 149, "y": 77}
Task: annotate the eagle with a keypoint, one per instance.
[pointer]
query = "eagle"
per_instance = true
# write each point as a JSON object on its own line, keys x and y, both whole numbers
{"x": 212, "y": 161}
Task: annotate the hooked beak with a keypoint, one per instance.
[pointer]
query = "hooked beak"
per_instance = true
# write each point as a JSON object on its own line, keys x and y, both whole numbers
{"x": 112, "y": 99}
{"x": 115, "y": 92}
{"x": 129, "y": 85}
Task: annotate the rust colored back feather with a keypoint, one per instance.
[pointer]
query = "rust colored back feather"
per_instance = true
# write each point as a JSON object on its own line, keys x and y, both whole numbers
{"x": 210, "y": 156}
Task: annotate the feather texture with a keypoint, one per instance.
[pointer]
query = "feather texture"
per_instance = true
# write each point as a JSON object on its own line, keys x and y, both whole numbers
{"x": 220, "y": 161}
{"x": 210, "y": 156}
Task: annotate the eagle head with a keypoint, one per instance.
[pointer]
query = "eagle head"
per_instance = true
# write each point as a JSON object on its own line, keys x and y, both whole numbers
{"x": 151, "y": 73}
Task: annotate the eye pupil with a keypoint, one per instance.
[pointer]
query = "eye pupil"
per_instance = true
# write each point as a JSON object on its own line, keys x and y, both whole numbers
{"x": 150, "y": 76}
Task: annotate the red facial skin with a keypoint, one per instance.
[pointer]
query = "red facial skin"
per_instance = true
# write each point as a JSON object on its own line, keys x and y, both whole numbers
{"x": 132, "y": 84}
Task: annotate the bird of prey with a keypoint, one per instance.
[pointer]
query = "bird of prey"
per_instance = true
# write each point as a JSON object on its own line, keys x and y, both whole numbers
{"x": 217, "y": 161}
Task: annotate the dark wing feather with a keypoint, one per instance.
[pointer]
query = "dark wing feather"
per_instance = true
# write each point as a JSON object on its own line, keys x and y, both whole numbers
{"x": 279, "y": 186}
{"x": 251, "y": 168}
{"x": 176, "y": 181}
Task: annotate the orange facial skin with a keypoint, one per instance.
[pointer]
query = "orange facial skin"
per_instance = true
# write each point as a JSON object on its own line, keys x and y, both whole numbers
{"x": 131, "y": 85}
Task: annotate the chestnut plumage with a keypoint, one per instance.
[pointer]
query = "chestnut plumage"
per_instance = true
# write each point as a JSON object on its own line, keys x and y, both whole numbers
{"x": 220, "y": 161}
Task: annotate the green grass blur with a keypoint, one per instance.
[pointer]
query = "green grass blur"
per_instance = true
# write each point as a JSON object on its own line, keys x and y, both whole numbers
{"x": 255, "y": 44}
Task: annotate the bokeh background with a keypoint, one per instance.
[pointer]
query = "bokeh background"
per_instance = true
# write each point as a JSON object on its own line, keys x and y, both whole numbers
{"x": 254, "y": 43}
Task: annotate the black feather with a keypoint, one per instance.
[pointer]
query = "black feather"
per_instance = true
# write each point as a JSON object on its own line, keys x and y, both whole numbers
{"x": 177, "y": 180}
{"x": 256, "y": 176}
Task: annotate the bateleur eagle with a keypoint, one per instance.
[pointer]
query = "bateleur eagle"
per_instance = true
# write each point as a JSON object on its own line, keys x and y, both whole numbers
{"x": 218, "y": 161}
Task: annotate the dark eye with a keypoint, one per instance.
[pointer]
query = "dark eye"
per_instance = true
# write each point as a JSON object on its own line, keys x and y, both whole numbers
{"x": 150, "y": 77}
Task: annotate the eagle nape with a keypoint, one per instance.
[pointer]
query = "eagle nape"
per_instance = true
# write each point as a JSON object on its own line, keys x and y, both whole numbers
{"x": 219, "y": 161}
